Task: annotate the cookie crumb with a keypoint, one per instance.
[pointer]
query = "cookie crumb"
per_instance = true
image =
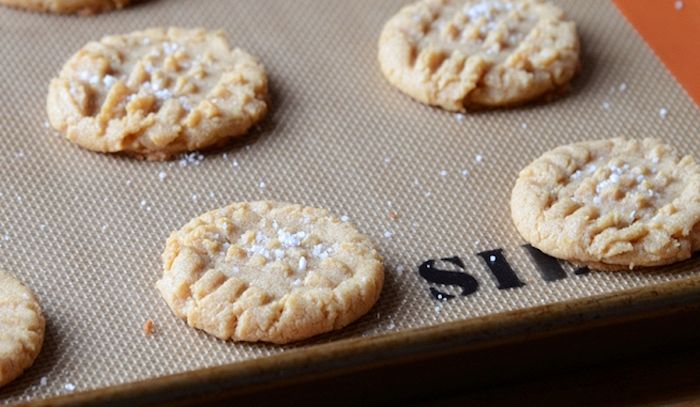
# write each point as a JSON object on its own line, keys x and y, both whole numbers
{"x": 393, "y": 215}
{"x": 148, "y": 327}
{"x": 663, "y": 112}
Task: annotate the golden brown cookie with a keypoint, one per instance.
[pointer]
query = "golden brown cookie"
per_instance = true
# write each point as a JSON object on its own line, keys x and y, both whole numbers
{"x": 611, "y": 204}
{"x": 67, "y": 6}
{"x": 458, "y": 54}
{"x": 268, "y": 271}
{"x": 158, "y": 93}
{"x": 21, "y": 328}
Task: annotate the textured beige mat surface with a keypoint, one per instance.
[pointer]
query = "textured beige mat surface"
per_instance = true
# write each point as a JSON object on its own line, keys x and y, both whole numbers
{"x": 86, "y": 231}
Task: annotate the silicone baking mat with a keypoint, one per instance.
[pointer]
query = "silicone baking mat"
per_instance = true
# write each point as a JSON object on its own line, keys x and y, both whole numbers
{"x": 86, "y": 230}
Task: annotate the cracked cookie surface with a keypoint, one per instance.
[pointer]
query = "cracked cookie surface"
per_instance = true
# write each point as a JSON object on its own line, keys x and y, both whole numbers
{"x": 268, "y": 271}
{"x": 67, "y": 6}
{"x": 611, "y": 204}
{"x": 21, "y": 328}
{"x": 458, "y": 54}
{"x": 157, "y": 93}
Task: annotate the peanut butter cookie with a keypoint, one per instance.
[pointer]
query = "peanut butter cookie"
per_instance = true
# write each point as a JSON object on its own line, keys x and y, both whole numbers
{"x": 67, "y": 6}
{"x": 21, "y": 328}
{"x": 267, "y": 271}
{"x": 611, "y": 204}
{"x": 157, "y": 93}
{"x": 458, "y": 54}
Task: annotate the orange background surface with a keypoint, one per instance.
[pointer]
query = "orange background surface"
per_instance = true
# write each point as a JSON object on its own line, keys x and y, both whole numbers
{"x": 673, "y": 33}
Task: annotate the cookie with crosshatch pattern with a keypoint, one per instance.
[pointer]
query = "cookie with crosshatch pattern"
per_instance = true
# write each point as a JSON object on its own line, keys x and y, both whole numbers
{"x": 611, "y": 204}
{"x": 67, "y": 6}
{"x": 460, "y": 54}
{"x": 269, "y": 271}
{"x": 21, "y": 328}
{"x": 158, "y": 93}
